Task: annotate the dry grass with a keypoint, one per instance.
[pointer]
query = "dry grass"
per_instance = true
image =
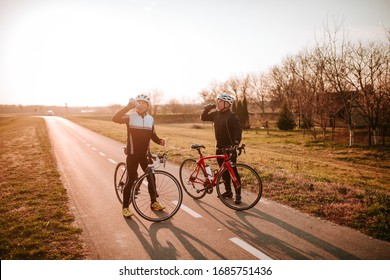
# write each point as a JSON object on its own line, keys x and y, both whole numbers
{"x": 34, "y": 215}
{"x": 349, "y": 186}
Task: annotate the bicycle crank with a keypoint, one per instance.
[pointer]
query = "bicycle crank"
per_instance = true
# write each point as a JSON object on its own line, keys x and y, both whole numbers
{"x": 209, "y": 190}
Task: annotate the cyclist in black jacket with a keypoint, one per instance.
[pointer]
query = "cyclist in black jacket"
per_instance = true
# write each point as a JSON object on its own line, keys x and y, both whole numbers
{"x": 140, "y": 130}
{"x": 228, "y": 132}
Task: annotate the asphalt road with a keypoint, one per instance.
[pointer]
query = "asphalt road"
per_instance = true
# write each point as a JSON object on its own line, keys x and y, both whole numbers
{"x": 201, "y": 230}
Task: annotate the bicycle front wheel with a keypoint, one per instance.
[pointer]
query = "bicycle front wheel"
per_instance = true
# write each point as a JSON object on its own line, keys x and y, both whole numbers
{"x": 192, "y": 178}
{"x": 169, "y": 194}
{"x": 248, "y": 186}
{"x": 120, "y": 180}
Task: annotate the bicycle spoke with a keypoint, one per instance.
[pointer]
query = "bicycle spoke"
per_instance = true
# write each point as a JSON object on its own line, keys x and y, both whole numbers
{"x": 169, "y": 195}
{"x": 248, "y": 188}
{"x": 192, "y": 179}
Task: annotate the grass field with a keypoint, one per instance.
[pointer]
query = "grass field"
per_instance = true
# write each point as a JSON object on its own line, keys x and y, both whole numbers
{"x": 349, "y": 186}
{"x": 35, "y": 219}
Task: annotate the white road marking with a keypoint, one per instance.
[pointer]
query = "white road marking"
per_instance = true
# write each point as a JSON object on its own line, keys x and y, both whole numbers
{"x": 264, "y": 201}
{"x": 112, "y": 161}
{"x": 188, "y": 210}
{"x": 250, "y": 249}
{"x": 93, "y": 148}
{"x": 102, "y": 154}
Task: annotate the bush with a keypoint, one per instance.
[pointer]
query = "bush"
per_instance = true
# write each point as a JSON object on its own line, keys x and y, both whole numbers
{"x": 286, "y": 119}
{"x": 307, "y": 122}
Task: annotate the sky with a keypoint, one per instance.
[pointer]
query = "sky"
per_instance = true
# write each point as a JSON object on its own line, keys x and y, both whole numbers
{"x": 103, "y": 52}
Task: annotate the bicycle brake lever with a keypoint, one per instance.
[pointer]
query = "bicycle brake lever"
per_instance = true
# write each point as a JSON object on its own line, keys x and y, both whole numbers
{"x": 241, "y": 149}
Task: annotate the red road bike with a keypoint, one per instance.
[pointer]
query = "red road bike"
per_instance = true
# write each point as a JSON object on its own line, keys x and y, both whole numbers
{"x": 197, "y": 179}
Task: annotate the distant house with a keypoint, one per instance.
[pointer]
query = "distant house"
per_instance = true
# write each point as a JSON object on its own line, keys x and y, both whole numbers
{"x": 344, "y": 103}
{"x": 337, "y": 111}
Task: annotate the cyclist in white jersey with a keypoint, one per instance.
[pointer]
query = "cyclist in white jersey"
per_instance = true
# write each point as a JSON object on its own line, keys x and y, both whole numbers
{"x": 140, "y": 130}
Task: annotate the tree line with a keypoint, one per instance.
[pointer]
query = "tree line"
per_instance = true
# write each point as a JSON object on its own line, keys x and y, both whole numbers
{"x": 336, "y": 80}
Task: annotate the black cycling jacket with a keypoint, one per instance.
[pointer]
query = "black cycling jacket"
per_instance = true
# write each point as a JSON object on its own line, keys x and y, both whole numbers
{"x": 227, "y": 127}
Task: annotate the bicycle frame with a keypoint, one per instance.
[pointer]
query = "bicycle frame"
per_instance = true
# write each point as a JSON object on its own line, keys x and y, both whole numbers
{"x": 226, "y": 165}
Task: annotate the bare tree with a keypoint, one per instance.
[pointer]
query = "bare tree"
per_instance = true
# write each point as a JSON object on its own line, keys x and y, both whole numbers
{"x": 210, "y": 94}
{"x": 246, "y": 86}
{"x": 278, "y": 86}
{"x": 305, "y": 89}
{"x": 156, "y": 97}
{"x": 233, "y": 86}
{"x": 174, "y": 105}
{"x": 257, "y": 93}
{"x": 324, "y": 106}
{"x": 335, "y": 52}
{"x": 283, "y": 88}
{"x": 260, "y": 90}
{"x": 187, "y": 105}
{"x": 204, "y": 95}
{"x": 368, "y": 76}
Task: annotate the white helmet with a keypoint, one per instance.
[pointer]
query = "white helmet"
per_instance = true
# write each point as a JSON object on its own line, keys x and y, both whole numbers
{"x": 226, "y": 97}
{"x": 143, "y": 97}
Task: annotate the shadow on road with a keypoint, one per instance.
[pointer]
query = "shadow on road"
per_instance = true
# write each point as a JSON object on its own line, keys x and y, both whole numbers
{"x": 239, "y": 223}
{"x": 158, "y": 251}
{"x": 242, "y": 225}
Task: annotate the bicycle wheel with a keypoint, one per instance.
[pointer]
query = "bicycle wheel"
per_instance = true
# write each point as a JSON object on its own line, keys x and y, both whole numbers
{"x": 169, "y": 194}
{"x": 120, "y": 180}
{"x": 192, "y": 178}
{"x": 251, "y": 187}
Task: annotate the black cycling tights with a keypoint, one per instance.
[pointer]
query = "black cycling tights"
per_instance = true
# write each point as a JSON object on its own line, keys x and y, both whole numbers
{"x": 132, "y": 162}
{"x": 226, "y": 175}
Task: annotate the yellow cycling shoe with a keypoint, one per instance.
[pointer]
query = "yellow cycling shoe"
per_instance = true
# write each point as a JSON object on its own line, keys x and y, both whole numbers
{"x": 156, "y": 206}
{"x": 126, "y": 212}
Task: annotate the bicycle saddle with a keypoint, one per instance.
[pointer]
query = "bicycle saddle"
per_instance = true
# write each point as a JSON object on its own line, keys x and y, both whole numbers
{"x": 197, "y": 146}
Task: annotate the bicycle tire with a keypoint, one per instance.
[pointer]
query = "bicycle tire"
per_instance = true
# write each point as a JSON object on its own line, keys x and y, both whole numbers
{"x": 120, "y": 180}
{"x": 251, "y": 187}
{"x": 169, "y": 192}
{"x": 194, "y": 188}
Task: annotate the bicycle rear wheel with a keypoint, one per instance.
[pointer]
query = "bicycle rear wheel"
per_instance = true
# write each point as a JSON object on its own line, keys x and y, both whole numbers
{"x": 169, "y": 194}
{"x": 192, "y": 178}
{"x": 250, "y": 189}
{"x": 120, "y": 180}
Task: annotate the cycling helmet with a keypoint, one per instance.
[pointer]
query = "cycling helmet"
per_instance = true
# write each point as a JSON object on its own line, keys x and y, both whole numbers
{"x": 226, "y": 97}
{"x": 143, "y": 97}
